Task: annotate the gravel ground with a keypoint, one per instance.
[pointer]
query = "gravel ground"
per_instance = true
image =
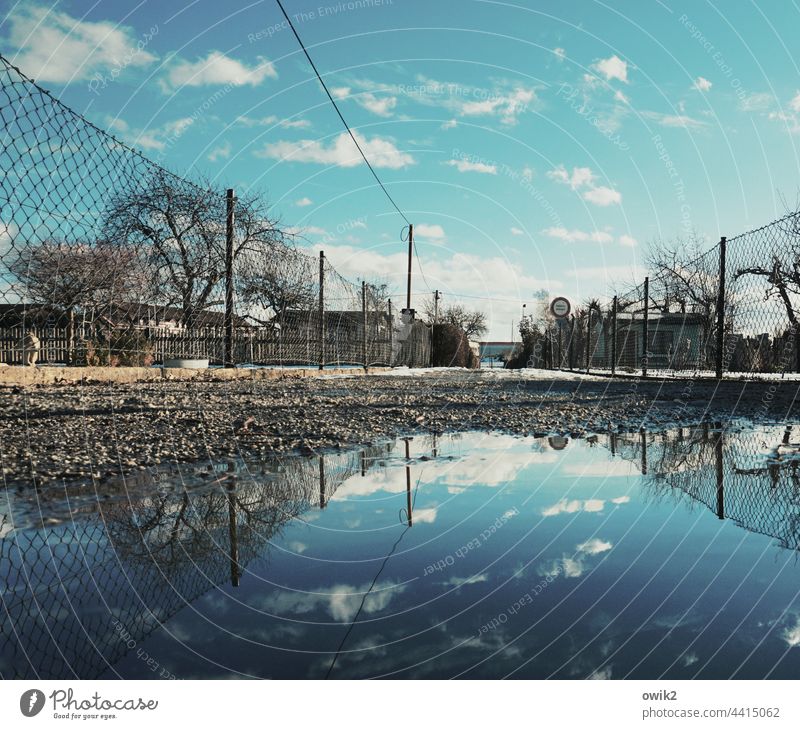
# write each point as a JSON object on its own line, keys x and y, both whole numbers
{"x": 95, "y": 431}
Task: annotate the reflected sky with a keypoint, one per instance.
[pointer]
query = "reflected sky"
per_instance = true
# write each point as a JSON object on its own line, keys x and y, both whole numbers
{"x": 474, "y": 555}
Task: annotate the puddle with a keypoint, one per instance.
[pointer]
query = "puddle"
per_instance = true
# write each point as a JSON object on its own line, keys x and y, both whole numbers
{"x": 474, "y": 555}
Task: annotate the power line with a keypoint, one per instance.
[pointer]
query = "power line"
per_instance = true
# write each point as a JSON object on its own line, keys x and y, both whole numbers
{"x": 335, "y": 106}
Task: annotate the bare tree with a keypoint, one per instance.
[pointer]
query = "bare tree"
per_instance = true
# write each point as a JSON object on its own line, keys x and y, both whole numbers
{"x": 179, "y": 231}
{"x": 275, "y": 278}
{"x": 78, "y": 277}
{"x": 781, "y": 270}
{"x": 685, "y": 280}
{"x": 471, "y": 322}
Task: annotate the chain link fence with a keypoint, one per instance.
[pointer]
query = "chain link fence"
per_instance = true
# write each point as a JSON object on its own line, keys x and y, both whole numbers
{"x": 732, "y": 309}
{"x": 106, "y": 258}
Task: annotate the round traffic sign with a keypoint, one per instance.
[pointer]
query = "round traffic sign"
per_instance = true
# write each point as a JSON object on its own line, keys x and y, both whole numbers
{"x": 560, "y": 307}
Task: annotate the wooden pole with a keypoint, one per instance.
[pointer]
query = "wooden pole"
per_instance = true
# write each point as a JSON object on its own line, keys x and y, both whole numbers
{"x": 321, "y": 324}
{"x": 721, "y": 307}
{"x": 229, "y": 221}
{"x": 322, "y": 482}
{"x": 645, "y": 333}
{"x": 364, "y": 322}
{"x": 614, "y": 336}
{"x": 720, "y": 477}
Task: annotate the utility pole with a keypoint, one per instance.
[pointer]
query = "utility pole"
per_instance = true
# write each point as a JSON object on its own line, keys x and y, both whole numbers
{"x": 410, "y": 254}
{"x": 436, "y": 298}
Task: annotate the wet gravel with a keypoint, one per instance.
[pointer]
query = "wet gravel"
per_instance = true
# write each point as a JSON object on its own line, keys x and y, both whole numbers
{"x": 86, "y": 433}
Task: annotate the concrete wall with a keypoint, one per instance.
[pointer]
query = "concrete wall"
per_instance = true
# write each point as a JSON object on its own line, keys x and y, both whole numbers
{"x": 74, "y": 375}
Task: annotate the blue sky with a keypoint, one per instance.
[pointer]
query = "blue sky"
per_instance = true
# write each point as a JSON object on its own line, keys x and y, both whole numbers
{"x": 533, "y": 145}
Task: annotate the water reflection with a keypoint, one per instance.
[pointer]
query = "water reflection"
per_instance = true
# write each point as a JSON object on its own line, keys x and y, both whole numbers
{"x": 478, "y": 555}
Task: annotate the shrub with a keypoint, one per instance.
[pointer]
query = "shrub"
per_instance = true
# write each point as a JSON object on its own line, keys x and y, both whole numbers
{"x": 450, "y": 347}
{"x": 121, "y": 348}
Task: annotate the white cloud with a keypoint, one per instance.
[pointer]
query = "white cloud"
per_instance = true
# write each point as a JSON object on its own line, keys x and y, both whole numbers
{"x": 702, "y": 84}
{"x": 223, "y": 151}
{"x": 792, "y": 635}
{"x": 628, "y": 241}
{"x": 612, "y": 68}
{"x": 527, "y": 173}
{"x": 493, "y": 275}
{"x": 153, "y": 138}
{"x": 459, "y": 581}
{"x": 574, "y": 565}
{"x": 451, "y": 124}
{"x": 382, "y": 106}
{"x": 506, "y": 105}
{"x": 602, "y": 196}
{"x": 295, "y": 124}
{"x": 621, "y": 500}
{"x": 303, "y": 202}
{"x": 794, "y": 104}
{"x": 341, "y": 152}
{"x": 620, "y": 96}
{"x": 432, "y": 232}
{"x": 579, "y": 177}
{"x": 341, "y": 602}
{"x": 272, "y": 120}
{"x": 573, "y": 506}
{"x": 759, "y": 101}
{"x": 675, "y": 120}
{"x": 559, "y": 53}
{"x": 217, "y": 69}
{"x": 464, "y": 165}
{"x": 576, "y": 236}
{"x": 517, "y": 231}
{"x": 55, "y": 47}
{"x": 594, "y": 546}
{"x": 424, "y": 516}
{"x": 305, "y": 230}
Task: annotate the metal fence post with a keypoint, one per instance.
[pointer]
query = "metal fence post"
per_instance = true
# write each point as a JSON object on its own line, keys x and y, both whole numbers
{"x": 389, "y": 361}
{"x": 721, "y": 307}
{"x": 588, "y": 336}
{"x": 571, "y": 347}
{"x": 645, "y": 325}
{"x": 614, "y": 336}
{"x": 228, "y": 353}
{"x": 321, "y": 312}
{"x": 560, "y": 357}
{"x": 364, "y": 320}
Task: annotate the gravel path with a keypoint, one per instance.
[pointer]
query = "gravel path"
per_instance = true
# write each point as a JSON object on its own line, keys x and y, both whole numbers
{"x": 79, "y": 432}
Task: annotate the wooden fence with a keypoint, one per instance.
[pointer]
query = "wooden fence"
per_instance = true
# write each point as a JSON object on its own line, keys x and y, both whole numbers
{"x": 258, "y": 346}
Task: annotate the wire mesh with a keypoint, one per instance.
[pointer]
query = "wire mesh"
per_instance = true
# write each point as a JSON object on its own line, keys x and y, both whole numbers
{"x": 763, "y": 298}
{"x": 106, "y": 258}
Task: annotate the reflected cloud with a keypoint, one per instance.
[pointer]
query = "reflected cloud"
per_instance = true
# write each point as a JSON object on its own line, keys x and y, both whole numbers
{"x": 459, "y": 581}
{"x": 573, "y": 506}
{"x": 340, "y": 602}
{"x": 792, "y": 635}
{"x": 576, "y": 564}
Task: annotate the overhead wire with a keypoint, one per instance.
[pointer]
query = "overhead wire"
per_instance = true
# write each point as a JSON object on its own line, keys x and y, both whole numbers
{"x": 341, "y": 116}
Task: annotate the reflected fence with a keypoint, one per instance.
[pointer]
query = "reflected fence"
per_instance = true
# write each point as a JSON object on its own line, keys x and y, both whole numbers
{"x": 79, "y": 595}
{"x": 107, "y": 258}
{"x": 83, "y": 591}
{"x": 751, "y": 478}
{"x": 733, "y": 309}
